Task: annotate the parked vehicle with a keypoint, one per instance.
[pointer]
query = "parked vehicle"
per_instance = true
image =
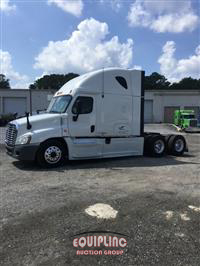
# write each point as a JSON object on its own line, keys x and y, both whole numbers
{"x": 198, "y": 119}
{"x": 96, "y": 115}
{"x": 185, "y": 118}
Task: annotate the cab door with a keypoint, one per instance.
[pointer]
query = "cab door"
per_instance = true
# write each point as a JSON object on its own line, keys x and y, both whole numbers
{"x": 82, "y": 128}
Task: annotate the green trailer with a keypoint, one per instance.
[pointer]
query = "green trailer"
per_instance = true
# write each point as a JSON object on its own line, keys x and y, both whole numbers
{"x": 185, "y": 118}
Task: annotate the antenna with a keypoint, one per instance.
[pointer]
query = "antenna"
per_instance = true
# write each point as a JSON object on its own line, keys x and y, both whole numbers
{"x": 28, "y": 126}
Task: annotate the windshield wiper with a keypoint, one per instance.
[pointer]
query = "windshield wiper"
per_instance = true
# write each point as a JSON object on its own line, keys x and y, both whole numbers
{"x": 54, "y": 112}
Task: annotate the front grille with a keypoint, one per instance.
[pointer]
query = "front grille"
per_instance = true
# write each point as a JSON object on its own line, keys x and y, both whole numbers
{"x": 11, "y": 135}
{"x": 193, "y": 123}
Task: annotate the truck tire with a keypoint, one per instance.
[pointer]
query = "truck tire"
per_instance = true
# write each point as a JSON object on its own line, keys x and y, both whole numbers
{"x": 167, "y": 138}
{"x": 146, "y": 144}
{"x": 155, "y": 145}
{"x": 51, "y": 154}
{"x": 176, "y": 145}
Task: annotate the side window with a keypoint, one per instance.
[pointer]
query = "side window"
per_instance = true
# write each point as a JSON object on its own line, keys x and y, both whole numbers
{"x": 83, "y": 105}
{"x": 122, "y": 81}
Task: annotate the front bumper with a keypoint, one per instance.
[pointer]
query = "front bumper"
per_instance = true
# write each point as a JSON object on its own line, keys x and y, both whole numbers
{"x": 23, "y": 152}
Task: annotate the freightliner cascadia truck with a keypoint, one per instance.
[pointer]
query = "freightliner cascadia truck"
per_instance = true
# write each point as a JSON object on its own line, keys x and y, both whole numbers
{"x": 96, "y": 115}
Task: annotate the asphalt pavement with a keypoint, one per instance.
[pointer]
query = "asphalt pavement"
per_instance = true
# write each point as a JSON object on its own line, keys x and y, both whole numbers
{"x": 156, "y": 200}
{"x": 2, "y": 134}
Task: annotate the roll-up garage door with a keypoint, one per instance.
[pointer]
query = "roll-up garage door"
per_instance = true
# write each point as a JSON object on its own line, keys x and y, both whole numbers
{"x": 14, "y": 105}
{"x": 169, "y": 113}
{"x": 148, "y": 111}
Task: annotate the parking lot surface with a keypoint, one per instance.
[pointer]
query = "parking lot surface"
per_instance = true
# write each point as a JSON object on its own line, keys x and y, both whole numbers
{"x": 156, "y": 199}
{"x": 2, "y": 134}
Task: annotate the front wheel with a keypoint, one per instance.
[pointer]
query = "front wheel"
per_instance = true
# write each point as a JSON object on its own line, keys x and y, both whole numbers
{"x": 51, "y": 154}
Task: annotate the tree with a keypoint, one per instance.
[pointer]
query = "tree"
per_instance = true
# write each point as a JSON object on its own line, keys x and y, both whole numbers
{"x": 156, "y": 82}
{"x": 4, "y": 82}
{"x": 53, "y": 81}
{"x": 186, "y": 84}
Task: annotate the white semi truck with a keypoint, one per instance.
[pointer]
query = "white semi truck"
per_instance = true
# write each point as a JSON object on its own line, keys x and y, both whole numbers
{"x": 96, "y": 115}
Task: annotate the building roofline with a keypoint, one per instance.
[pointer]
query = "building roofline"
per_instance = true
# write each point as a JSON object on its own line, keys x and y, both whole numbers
{"x": 27, "y": 90}
{"x": 172, "y": 89}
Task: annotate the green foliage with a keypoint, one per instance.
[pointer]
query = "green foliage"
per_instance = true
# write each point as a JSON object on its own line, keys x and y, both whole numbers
{"x": 6, "y": 118}
{"x": 4, "y": 82}
{"x": 52, "y": 82}
{"x": 156, "y": 82}
{"x": 186, "y": 84}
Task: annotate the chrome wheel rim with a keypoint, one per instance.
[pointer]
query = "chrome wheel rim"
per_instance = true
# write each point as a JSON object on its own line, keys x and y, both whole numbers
{"x": 159, "y": 146}
{"x": 179, "y": 145}
{"x": 53, "y": 154}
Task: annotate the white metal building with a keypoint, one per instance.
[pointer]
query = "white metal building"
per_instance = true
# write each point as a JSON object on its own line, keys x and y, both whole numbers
{"x": 21, "y": 100}
{"x": 159, "y": 104}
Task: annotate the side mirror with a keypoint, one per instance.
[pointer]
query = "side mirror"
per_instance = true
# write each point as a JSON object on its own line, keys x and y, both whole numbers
{"x": 75, "y": 117}
{"x": 76, "y": 110}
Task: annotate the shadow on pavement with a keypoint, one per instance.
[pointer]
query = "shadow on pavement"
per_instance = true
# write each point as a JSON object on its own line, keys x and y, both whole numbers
{"x": 111, "y": 163}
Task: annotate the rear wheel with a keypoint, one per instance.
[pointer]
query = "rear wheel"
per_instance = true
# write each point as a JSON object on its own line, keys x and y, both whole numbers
{"x": 167, "y": 137}
{"x": 176, "y": 145}
{"x": 155, "y": 146}
{"x": 51, "y": 154}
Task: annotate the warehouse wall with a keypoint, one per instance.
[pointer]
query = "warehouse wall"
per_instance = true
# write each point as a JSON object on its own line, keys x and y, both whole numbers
{"x": 20, "y": 100}
{"x": 41, "y": 99}
{"x": 162, "y": 99}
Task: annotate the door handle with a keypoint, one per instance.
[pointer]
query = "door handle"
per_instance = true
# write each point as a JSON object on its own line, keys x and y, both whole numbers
{"x": 92, "y": 128}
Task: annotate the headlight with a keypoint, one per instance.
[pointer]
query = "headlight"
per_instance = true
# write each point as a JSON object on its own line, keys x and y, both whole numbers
{"x": 26, "y": 139}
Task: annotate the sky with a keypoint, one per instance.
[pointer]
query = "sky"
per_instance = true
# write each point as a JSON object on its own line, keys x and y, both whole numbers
{"x": 39, "y": 37}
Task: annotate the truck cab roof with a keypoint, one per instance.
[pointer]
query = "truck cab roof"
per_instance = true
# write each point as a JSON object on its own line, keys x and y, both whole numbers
{"x": 109, "y": 80}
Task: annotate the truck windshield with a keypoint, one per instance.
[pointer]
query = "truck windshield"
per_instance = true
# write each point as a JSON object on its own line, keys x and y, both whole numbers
{"x": 189, "y": 116}
{"x": 59, "y": 104}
